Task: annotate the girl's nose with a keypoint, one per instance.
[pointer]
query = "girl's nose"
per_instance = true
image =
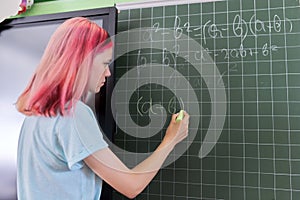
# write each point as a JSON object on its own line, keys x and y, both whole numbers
{"x": 107, "y": 72}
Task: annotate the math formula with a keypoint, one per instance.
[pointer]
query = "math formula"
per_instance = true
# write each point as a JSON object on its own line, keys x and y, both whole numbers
{"x": 239, "y": 28}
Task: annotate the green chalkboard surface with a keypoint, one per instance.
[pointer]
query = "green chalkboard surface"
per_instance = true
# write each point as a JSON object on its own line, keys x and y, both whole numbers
{"x": 235, "y": 67}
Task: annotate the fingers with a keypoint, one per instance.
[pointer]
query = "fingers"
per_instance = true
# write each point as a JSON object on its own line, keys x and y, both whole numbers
{"x": 186, "y": 118}
{"x": 186, "y": 115}
{"x": 184, "y": 125}
{"x": 178, "y": 129}
{"x": 174, "y": 116}
{"x": 184, "y": 121}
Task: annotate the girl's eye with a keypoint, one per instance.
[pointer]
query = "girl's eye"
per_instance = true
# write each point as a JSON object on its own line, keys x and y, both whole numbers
{"x": 106, "y": 65}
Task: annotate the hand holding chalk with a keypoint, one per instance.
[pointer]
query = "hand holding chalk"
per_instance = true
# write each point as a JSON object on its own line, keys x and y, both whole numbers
{"x": 180, "y": 116}
{"x": 178, "y": 128}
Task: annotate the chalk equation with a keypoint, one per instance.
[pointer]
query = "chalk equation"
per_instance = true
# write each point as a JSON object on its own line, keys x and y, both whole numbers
{"x": 238, "y": 28}
{"x": 144, "y": 105}
{"x": 226, "y": 54}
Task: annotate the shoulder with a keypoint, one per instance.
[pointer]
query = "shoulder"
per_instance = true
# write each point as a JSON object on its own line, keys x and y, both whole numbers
{"x": 82, "y": 106}
{"x": 81, "y": 109}
{"x": 83, "y": 114}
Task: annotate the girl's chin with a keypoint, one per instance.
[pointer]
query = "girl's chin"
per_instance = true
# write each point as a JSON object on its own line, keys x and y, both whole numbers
{"x": 98, "y": 87}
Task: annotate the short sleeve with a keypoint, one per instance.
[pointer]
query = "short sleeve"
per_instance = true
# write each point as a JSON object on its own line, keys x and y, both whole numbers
{"x": 81, "y": 137}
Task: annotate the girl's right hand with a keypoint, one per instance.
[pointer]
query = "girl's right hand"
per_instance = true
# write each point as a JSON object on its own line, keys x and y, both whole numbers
{"x": 177, "y": 131}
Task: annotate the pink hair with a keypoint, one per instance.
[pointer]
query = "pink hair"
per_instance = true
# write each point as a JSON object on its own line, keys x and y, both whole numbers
{"x": 63, "y": 72}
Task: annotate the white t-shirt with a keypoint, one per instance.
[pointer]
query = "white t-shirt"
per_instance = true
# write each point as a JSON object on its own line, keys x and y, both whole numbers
{"x": 50, "y": 157}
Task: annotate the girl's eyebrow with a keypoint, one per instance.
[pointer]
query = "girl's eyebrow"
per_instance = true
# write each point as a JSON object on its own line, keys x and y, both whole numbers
{"x": 108, "y": 62}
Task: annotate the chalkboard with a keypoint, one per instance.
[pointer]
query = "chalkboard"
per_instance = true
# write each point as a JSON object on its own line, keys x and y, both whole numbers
{"x": 245, "y": 118}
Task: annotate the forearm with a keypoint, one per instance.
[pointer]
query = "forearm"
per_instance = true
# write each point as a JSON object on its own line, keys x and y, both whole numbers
{"x": 154, "y": 162}
{"x": 144, "y": 172}
{"x": 129, "y": 182}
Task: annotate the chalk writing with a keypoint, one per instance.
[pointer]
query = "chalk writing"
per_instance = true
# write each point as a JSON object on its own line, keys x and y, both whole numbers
{"x": 145, "y": 105}
{"x": 141, "y": 60}
{"x": 242, "y": 52}
{"x": 208, "y": 29}
{"x": 240, "y": 27}
{"x": 232, "y": 70}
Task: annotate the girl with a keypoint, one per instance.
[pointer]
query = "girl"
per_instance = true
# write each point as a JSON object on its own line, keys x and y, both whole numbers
{"x": 61, "y": 151}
